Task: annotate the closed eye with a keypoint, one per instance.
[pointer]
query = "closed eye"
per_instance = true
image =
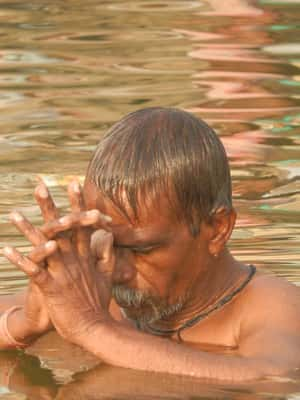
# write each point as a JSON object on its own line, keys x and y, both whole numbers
{"x": 143, "y": 250}
{"x": 138, "y": 249}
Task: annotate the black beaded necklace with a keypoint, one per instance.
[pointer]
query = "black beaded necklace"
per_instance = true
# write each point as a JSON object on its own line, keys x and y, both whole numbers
{"x": 191, "y": 322}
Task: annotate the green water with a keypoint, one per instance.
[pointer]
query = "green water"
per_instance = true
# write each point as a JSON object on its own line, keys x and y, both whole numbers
{"x": 69, "y": 69}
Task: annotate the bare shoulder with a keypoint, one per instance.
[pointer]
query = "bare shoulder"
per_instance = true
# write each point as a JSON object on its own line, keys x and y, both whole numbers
{"x": 270, "y": 322}
{"x": 266, "y": 283}
{"x": 273, "y": 300}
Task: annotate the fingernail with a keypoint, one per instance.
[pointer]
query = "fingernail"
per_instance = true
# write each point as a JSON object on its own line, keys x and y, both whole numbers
{"x": 8, "y": 251}
{"x": 107, "y": 218}
{"x": 93, "y": 213}
{"x": 50, "y": 245}
{"x": 43, "y": 192}
{"x": 34, "y": 269}
{"x": 75, "y": 187}
{"x": 16, "y": 216}
{"x": 64, "y": 220}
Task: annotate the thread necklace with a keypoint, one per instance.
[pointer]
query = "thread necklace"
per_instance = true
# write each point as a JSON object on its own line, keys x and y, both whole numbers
{"x": 193, "y": 321}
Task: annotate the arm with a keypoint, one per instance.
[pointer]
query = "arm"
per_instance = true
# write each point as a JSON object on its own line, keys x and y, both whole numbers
{"x": 269, "y": 340}
{"x": 73, "y": 294}
{"x": 125, "y": 347}
{"x": 23, "y": 315}
{"x": 31, "y": 319}
{"x": 17, "y": 327}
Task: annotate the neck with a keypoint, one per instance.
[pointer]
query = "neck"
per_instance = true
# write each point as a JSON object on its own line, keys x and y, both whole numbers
{"x": 221, "y": 277}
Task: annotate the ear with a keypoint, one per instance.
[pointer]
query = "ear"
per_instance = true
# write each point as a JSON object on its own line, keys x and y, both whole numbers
{"x": 221, "y": 226}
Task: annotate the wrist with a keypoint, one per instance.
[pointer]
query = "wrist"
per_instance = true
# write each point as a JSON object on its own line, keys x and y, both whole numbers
{"x": 108, "y": 341}
{"x": 84, "y": 335}
{"x": 7, "y": 338}
{"x": 20, "y": 328}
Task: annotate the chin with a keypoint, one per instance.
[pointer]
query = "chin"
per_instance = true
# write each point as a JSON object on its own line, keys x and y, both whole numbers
{"x": 144, "y": 308}
{"x": 140, "y": 316}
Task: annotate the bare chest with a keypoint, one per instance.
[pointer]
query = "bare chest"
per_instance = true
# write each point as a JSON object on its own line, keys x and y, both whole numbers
{"x": 218, "y": 332}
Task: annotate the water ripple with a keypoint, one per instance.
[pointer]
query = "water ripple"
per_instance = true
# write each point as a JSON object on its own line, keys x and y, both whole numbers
{"x": 68, "y": 70}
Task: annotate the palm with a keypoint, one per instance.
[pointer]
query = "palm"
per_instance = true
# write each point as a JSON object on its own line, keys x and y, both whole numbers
{"x": 35, "y": 310}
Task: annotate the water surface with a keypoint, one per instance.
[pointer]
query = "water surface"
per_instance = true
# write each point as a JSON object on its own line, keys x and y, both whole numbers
{"x": 69, "y": 69}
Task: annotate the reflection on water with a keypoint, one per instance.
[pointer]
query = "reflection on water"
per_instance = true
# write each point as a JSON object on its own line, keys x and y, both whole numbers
{"x": 105, "y": 382}
{"x": 68, "y": 70}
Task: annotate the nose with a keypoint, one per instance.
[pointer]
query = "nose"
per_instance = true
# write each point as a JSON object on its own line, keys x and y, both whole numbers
{"x": 124, "y": 270}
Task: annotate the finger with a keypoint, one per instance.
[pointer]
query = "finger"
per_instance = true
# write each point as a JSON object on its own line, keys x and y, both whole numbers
{"x": 75, "y": 220}
{"x": 94, "y": 218}
{"x": 37, "y": 274}
{"x": 80, "y": 236}
{"x": 50, "y": 212}
{"x": 41, "y": 252}
{"x": 76, "y": 197}
{"x": 65, "y": 246}
{"x": 25, "y": 264}
{"x": 46, "y": 203}
{"x": 102, "y": 245}
{"x": 34, "y": 235}
{"x": 102, "y": 249}
{"x": 77, "y": 203}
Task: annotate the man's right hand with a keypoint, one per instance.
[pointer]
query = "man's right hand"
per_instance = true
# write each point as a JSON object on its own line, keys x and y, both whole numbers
{"x": 33, "y": 319}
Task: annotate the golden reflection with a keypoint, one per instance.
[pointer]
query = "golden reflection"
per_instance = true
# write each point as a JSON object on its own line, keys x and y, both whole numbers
{"x": 68, "y": 70}
{"x": 23, "y": 375}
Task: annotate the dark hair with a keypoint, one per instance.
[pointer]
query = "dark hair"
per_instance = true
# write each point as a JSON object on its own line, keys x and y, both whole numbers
{"x": 157, "y": 151}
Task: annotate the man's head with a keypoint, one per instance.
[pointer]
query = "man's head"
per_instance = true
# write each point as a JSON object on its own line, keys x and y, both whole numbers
{"x": 163, "y": 177}
{"x": 157, "y": 151}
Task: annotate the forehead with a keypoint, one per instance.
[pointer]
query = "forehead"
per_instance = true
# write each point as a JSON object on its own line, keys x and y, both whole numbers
{"x": 154, "y": 218}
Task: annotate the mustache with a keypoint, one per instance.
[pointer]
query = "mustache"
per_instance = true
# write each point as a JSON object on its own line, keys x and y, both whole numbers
{"x": 135, "y": 298}
{"x": 156, "y": 307}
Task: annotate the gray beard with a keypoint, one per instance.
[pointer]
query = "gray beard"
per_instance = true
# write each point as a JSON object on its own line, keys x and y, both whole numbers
{"x": 154, "y": 308}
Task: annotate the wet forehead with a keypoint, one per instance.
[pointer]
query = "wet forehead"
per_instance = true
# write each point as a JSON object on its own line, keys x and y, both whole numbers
{"x": 155, "y": 221}
{"x": 150, "y": 234}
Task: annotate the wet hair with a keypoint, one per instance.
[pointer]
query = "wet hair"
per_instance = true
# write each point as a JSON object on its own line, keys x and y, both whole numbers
{"x": 163, "y": 151}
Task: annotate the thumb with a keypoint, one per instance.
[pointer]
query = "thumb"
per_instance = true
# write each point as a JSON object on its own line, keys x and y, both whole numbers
{"x": 102, "y": 249}
{"x": 102, "y": 246}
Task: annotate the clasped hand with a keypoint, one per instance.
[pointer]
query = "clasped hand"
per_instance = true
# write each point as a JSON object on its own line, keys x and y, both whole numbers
{"x": 69, "y": 283}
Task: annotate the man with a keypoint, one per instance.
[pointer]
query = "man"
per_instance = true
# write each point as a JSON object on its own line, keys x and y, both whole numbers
{"x": 158, "y": 191}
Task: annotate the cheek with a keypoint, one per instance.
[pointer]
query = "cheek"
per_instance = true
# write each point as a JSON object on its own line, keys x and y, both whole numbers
{"x": 161, "y": 269}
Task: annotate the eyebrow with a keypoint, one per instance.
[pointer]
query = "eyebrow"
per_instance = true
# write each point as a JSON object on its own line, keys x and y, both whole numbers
{"x": 125, "y": 241}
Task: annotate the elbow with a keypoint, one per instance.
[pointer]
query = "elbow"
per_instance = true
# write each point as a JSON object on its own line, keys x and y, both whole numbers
{"x": 258, "y": 369}
{"x": 242, "y": 370}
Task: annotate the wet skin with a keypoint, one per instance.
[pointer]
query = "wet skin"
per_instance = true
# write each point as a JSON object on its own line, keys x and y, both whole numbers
{"x": 158, "y": 255}
{"x": 256, "y": 334}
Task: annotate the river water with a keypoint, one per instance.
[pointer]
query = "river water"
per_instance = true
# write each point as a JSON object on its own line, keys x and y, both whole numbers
{"x": 70, "y": 69}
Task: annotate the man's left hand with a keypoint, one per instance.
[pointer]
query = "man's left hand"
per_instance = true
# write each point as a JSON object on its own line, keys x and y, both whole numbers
{"x": 75, "y": 295}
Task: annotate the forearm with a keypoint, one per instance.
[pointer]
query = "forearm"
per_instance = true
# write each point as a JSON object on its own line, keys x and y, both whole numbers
{"x": 128, "y": 348}
{"x": 17, "y": 324}
{"x": 15, "y": 332}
